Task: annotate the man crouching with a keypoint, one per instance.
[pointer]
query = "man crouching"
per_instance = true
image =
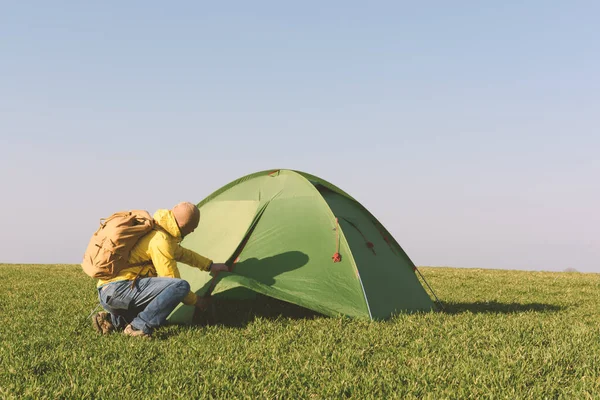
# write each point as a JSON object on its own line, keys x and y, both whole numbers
{"x": 141, "y": 297}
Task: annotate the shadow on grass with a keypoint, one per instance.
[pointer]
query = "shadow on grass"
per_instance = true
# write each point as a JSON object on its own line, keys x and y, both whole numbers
{"x": 496, "y": 307}
{"x": 239, "y": 313}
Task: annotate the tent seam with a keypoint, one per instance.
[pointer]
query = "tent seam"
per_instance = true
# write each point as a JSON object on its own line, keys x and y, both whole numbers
{"x": 342, "y": 236}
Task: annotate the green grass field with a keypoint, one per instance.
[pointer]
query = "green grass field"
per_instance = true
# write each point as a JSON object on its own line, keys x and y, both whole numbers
{"x": 504, "y": 334}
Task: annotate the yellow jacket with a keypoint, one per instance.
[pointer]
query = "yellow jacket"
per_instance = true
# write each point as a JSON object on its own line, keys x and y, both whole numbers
{"x": 161, "y": 247}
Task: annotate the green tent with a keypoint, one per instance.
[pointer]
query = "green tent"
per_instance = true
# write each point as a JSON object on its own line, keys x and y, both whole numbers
{"x": 298, "y": 238}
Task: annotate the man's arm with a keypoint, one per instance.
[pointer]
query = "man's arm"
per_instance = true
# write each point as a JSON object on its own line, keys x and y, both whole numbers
{"x": 163, "y": 259}
{"x": 163, "y": 254}
{"x": 194, "y": 259}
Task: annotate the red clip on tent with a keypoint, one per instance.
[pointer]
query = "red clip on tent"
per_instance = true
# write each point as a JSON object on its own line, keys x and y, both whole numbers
{"x": 297, "y": 238}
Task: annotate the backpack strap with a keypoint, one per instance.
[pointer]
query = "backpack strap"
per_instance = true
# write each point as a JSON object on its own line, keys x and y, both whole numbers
{"x": 139, "y": 264}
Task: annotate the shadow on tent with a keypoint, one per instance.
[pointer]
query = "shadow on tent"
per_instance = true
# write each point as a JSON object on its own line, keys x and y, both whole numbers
{"x": 482, "y": 307}
{"x": 244, "y": 306}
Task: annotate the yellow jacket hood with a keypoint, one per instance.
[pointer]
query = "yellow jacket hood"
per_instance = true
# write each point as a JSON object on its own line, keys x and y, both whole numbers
{"x": 165, "y": 219}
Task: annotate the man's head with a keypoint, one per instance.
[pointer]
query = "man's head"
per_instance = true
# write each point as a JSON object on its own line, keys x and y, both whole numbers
{"x": 187, "y": 217}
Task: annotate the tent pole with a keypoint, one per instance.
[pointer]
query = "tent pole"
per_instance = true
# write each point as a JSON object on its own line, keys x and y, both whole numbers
{"x": 430, "y": 289}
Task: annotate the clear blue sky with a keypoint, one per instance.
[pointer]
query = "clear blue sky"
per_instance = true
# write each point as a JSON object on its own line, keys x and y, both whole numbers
{"x": 470, "y": 129}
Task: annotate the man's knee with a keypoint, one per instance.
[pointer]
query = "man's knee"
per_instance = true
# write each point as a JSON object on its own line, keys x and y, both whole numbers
{"x": 183, "y": 286}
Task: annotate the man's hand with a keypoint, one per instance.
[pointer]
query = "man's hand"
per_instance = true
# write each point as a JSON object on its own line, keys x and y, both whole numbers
{"x": 202, "y": 303}
{"x": 218, "y": 268}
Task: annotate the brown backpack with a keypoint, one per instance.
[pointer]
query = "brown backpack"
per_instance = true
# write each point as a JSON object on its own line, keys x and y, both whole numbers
{"x": 109, "y": 248}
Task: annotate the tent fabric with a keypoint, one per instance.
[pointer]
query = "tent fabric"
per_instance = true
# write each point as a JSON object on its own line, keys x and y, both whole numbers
{"x": 286, "y": 224}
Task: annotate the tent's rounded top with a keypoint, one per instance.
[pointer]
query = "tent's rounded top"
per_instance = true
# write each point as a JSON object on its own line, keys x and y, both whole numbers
{"x": 273, "y": 172}
{"x": 316, "y": 180}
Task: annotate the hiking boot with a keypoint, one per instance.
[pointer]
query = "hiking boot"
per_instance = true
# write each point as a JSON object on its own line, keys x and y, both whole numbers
{"x": 131, "y": 331}
{"x": 102, "y": 323}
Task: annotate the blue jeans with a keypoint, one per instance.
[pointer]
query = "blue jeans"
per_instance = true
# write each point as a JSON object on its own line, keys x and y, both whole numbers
{"x": 146, "y": 305}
